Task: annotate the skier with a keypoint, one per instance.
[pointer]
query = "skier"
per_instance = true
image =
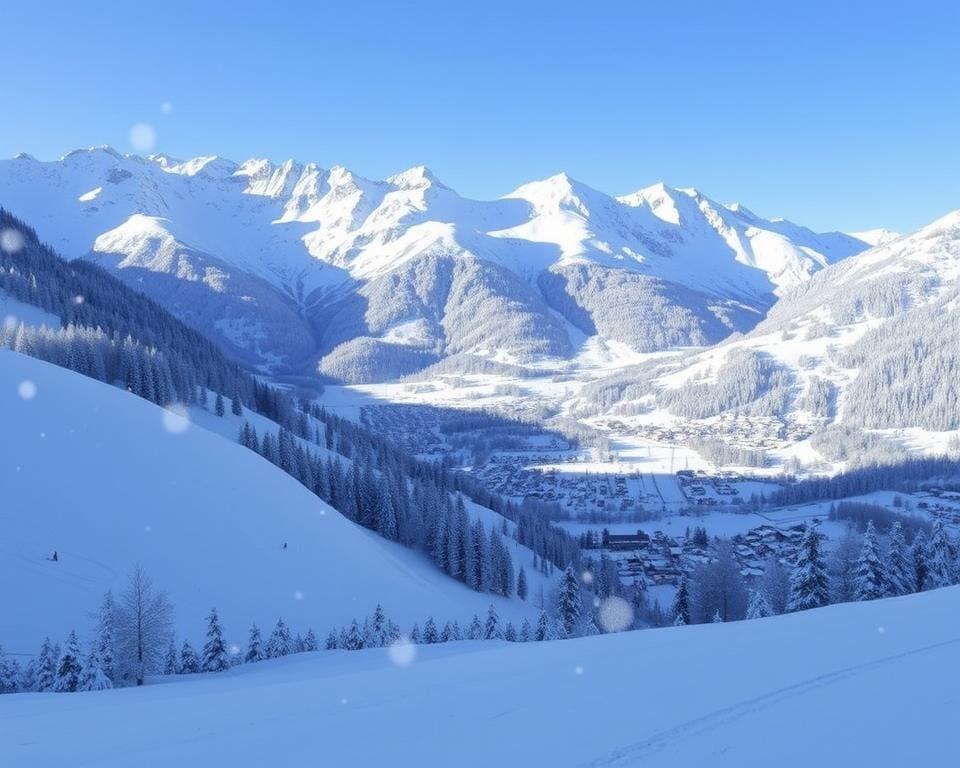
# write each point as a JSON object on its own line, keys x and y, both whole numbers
{"x": 56, "y": 557}
{"x": 284, "y": 545}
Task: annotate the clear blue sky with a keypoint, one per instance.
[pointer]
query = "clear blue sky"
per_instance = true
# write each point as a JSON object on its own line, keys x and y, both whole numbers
{"x": 835, "y": 114}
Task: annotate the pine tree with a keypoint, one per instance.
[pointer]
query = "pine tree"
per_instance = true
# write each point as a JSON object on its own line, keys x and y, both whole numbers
{"x": 310, "y": 643}
{"x": 809, "y": 586}
{"x": 526, "y": 633}
{"x": 9, "y": 674}
{"x": 354, "y": 637}
{"x": 235, "y": 407}
{"x": 681, "y": 601}
{"x": 430, "y": 635}
{"x": 920, "y": 552}
{"x": 870, "y": 579}
{"x": 475, "y": 632}
{"x": 171, "y": 665}
{"x": 522, "y": 584}
{"x": 94, "y": 678}
{"x": 105, "y": 636}
{"x": 377, "y": 634}
{"x": 218, "y": 407}
{"x": 758, "y": 608}
{"x": 569, "y": 602}
{"x": 939, "y": 562}
{"x": 189, "y": 661}
{"x": 491, "y": 630}
{"x": 510, "y": 633}
{"x": 332, "y": 640}
{"x": 447, "y": 634}
{"x": 46, "y": 675}
{"x": 215, "y": 657}
{"x": 900, "y": 573}
{"x": 415, "y": 634}
{"x": 69, "y": 668}
{"x": 254, "y": 646}
{"x": 280, "y": 643}
{"x": 543, "y": 627}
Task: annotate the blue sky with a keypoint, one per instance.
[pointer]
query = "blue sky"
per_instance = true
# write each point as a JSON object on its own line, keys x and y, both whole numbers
{"x": 835, "y": 114}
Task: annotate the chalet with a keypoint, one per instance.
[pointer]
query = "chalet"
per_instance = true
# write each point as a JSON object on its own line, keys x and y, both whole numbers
{"x": 626, "y": 541}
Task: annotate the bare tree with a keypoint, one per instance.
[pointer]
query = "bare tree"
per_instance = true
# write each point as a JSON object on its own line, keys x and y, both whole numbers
{"x": 144, "y": 626}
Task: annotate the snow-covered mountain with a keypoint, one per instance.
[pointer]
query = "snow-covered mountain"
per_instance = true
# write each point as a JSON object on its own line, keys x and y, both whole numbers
{"x": 866, "y": 344}
{"x": 293, "y": 267}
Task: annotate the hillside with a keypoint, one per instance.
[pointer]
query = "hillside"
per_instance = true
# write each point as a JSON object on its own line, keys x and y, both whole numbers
{"x": 108, "y": 479}
{"x": 864, "y": 682}
{"x": 295, "y": 268}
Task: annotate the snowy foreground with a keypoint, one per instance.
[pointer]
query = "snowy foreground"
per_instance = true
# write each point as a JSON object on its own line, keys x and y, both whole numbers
{"x": 867, "y": 684}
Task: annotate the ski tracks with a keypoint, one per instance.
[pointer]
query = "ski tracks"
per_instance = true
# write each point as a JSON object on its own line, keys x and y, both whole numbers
{"x": 637, "y": 752}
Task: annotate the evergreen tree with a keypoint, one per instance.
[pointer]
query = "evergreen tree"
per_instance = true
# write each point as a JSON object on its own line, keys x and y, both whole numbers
{"x": 377, "y": 635}
{"x": 254, "y": 646}
{"x": 280, "y": 643}
{"x": 235, "y": 407}
{"x": 940, "y": 561}
{"x": 447, "y": 634}
{"x": 332, "y": 640}
{"x": 491, "y": 630}
{"x": 758, "y": 608}
{"x": 9, "y": 674}
{"x": 354, "y": 637}
{"x": 569, "y": 602}
{"x": 526, "y": 633}
{"x": 218, "y": 407}
{"x": 510, "y": 633}
{"x": 455, "y": 632}
{"x": 171, "y": 664}
{"x": 189, "y": 661}
{"x": 543, "y": 627}
{"x": 430, "y": 635}
{"x": 94, "y": 678}
{"x": 809, "y": 586}
{"x": 215, "y": 657}
{"x": 900, "y": 572}
{"x": 310, "y": 643}
{"x": 475, "y": 632}
{"x": 681, "y": 601}
{"x": 104, "y": 640}
{"x": 415, "y": 635}
{"x": 46, "y": 675}
{"x": 69, "y": 668}
{"x": 870, "y": 582}
{"x": 919, "y": 552}
{"x": 522, "y": 584}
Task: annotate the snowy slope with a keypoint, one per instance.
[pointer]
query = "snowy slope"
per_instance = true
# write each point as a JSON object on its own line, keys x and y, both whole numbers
{"x": 343, "y": 261}
{"x": 864, "y": 683}
{"x": 95, "y": 473}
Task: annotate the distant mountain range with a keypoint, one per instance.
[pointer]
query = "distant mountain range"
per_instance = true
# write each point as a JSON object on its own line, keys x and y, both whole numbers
{"x": 297, "y": 269}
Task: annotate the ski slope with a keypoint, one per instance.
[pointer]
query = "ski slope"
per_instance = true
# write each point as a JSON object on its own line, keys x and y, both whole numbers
{"x": 108, "y": 480}
{"x": 858, "y": 684}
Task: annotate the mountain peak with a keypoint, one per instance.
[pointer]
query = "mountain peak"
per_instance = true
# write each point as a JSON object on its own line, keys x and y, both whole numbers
{"x": 417, "y": 177}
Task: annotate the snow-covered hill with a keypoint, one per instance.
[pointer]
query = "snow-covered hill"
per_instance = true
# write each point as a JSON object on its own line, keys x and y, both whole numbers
{"x": 864, "y": 683}
{"x": 108, "y": 480}
{"x": 291, "y": 264}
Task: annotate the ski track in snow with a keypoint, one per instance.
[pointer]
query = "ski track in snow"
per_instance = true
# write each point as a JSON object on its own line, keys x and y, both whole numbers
{"x": 637, "y": 752}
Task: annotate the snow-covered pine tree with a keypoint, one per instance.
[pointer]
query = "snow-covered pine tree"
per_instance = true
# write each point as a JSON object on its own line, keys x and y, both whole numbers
{"x": 46, "y": 674}
{"x": 446, "y": 634}
{"x": 236, "y": 408}
{"x": 189, "y": 661}
{"x": 415, "y": 635}
{"x": 475, "y": 630}
{"x": 900, "y": 572}
{"x": 920, "y": 555}
{"x": 171, "y": 664}
{"x": 310, "y": 643}
{"x": 681, "y": 601}
{"x": 354, "y": 637}
{"x": 104, "y": 639}
{"x": 569, "y": 602}
{"x": 69, "y": 667}
{"x": 9, "y": 674}
{"x": 510, "y": 633}
{"x": 279, "y": 643}
{"x": 215, "y": 658}
{"x": 758, "y": 607}
{"x": 491, "y": 630}
{"x": 940, "y": 560}
{"x": 254, "y": 646}
{"x": 218, "y": 407}
{"x": 870, "y": 578}
{"x": 526, "y": 633}
{"x": 376, "y": 636}
{"x": 332, "y": 641}
{"x": 430, "y": 634}
{"x": 809, "y": 585}
{"x": 94, "y": 678}
{"x": 479, "y": 572}
{"x": 543, "y": 627}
